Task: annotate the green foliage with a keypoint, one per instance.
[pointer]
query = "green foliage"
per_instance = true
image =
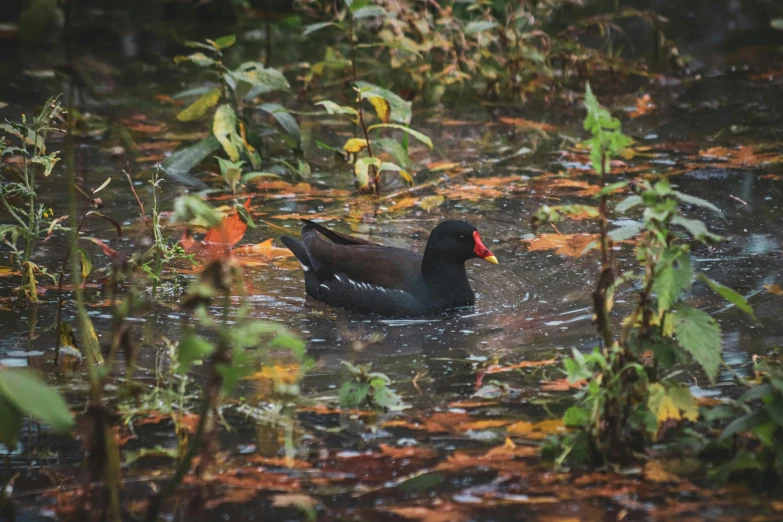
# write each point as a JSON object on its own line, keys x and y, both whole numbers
{"x": 626, "y": 400}
{"x": 23, "y": 393}
{"x": 367, "y": 389}
{"x": 31, "y": 219}
{"x": 232, "y": 128}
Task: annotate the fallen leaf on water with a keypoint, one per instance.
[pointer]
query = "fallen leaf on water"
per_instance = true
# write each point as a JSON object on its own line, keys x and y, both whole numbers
{"x": 265, "y": 249}
{"x": 437, "y": 166}
{"x": 152, "y": 158}
{"x": 471, "y": 404}
{"x": 165, "y": 98}
{"x": 564, "y": 244}
{"x": 447, "y": 422}
{"x": 8, "y": 271}
{"x": 441, "y": 513}
{"x": 524, "y": 364}
{"x": 538, "y": 430}
{"x": 562, "y": 385}
{"x": 140, "y": 124}
{"x": 430, "y": 203}
{"x": 412, "y": 452}
{"x": 527, "y": 124}
{"x": 774, "y": 289}
{"x": 654, "y": 471}
{"x": 742, "y": 156}
{"x": 294, "y": 499}
{"x": 285, "y": 373}
{"x": 305, "y": 216}
{"x": 776, "y": 177}
{"x": 643, "y": 106}
{"x": 231, "y": 230}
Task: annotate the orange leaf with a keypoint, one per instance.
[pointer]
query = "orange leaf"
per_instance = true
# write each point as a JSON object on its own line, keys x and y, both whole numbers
{"x": 524, "y": 364}
{"x": 221, "y": 238}
{"x": 564, "y": 244}
{"x": 774, "y": 289}
{"x": 538, "y": 430}
{"x": 643, "y": 106}
{"x": 527, "y": 124}
{"x": 562, "y": 385}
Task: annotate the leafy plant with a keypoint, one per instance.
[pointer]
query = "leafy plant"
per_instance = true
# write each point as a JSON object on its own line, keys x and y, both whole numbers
{"x": 20, "y": 199}
{"x": 230, "y": 129}
{"x": 631, "y": 391}
{"x": 367, "y": 389}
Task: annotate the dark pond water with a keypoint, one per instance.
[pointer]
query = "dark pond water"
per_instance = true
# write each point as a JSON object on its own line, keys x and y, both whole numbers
{"x": 534, "y": 305}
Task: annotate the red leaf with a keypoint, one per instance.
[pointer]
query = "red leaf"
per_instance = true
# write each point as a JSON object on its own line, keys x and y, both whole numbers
{"x": 221, "y": 238}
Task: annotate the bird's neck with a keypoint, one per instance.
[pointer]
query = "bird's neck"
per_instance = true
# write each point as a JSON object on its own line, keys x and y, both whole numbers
{"x": 448, "y": 276}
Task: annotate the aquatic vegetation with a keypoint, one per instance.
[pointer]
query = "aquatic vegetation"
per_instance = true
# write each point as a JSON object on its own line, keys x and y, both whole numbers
{"x": 31, "y": 219}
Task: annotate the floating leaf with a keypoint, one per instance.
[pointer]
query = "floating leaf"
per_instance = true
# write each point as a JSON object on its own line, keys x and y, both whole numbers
{"x": 572, "y": 245}
{"x": 200, "y": 107}
{"x": 699, "y": 334}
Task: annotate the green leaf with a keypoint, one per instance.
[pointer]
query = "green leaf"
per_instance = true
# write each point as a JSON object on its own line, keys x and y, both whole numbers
{"x": 478, "y": 26}
{"x": 333, "y": 108}
{"x": 192, "y": 206}
{"x": 697, "y": 229}
{"x": 86, "y": 263}
{"x": 231, "y": 171}
{"x": 353, "y": 394}
{"x": 284, "y": 118}
{"x": 362, "y": 170}
{"x": 200, "y": 107}
{"x": 225, "y": 41}
{"x": 611, "y": 188}
{"x": 310, "y": 29}
{"x": 224, "y": 127}
{"x": 745, "y": 423}
{"x": 693, "y": 200}
{"x": 626, "y": 232}
{"x": 262, "y": 79}
{"x": 191, "y": 349}
{"x": 416, "y": 134}
{"x": 368, "y": 11}
{"x": 576, "y": 417}
{"x": 11, "y": 422}
{"x": 673, "y": 276}
{"x": 628, "y": 203}
{"x": 244, "y": 215}
{"x": 355, "y": 5}
{"x": 396, "y": 168}
{"x": 729, "y": 295}
{"x": 30, "y": 395}
{"x": 182, "y": 162}
{"x": 200, "y": 59}
{"x": 400, "y": 109}
{"x": 699, "y": 334}
{"x": 395, "y": 150}
{"x": 241, "y": 366}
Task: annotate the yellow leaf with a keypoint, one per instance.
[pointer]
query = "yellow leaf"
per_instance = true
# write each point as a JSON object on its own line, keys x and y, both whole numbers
{"x": 199, "y": 108}
{"x": 224, "y": 128}
{"x": 407, "y": 177}
{"x": 382, "y": 108}
{"x": 284, "y": 373}
{"x": 774, "y": 289}
{"x": 362, "y": 170}
{"x": 355, "y": 145}
{"x": 430, "y": 203}
{"x": 672, "y": 403}
{"x": 538, "y": 430}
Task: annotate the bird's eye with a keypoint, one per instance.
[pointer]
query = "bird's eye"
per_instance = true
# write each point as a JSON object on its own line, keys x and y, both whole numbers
{"x": 462, "y": 236}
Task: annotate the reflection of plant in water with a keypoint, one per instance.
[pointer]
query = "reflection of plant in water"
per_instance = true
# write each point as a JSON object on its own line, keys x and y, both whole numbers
{"x": 631, "y": 391}
{"x": 20, "y": 199}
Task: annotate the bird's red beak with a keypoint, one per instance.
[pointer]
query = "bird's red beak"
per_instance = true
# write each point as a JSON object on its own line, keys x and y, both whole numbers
{"x": 482, "y": 251}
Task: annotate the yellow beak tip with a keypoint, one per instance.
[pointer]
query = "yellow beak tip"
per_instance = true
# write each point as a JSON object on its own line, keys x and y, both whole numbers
{"x": 491, "y": 259}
